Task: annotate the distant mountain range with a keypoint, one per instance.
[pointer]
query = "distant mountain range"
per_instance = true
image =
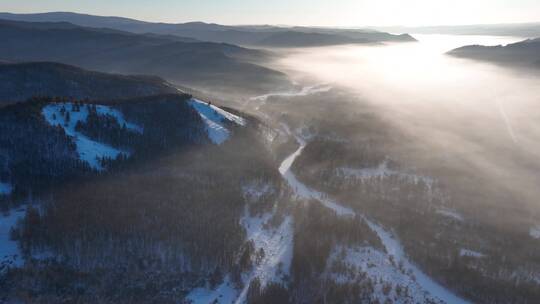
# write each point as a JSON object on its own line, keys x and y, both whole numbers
{"x": 20, "y": 81}
{"x": 525, "y": 53}
{"x": 196, "y": 64}
{"x": 242, "y": 35}
{"x": 510, "y": 29}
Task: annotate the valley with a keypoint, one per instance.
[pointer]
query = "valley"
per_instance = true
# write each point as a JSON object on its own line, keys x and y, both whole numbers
{"x": 202, "y": 163}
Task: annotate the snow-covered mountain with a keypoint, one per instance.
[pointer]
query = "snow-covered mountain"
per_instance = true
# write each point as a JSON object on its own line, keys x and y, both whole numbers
{"x": 164, "y": 158}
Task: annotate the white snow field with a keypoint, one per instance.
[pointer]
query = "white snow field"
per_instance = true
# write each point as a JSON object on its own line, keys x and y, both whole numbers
{"x": 89, "y": 150}
{"x": 9, "y": 250}
{"x": 215, "y": 119}
{"x": 391, "y": 244}
{"x": 5, "y": 188}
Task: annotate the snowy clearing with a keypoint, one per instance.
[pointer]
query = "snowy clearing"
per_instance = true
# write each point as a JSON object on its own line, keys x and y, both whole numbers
{"x": 273, "y": 265}
{"x": 9, "y": 250}
{"x": 392, "y": 245}
{"x": 89, "y": 150}
{"x": 277, "y": 245}
{"x": 5, "y": 188}
{"x": 214, "y": 118}
{"x": 380, "y": 268}
{"x": 106, "y": 110}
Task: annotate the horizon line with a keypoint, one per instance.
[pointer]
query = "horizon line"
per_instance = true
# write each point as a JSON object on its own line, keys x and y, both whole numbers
{"x": 279, "y": 25}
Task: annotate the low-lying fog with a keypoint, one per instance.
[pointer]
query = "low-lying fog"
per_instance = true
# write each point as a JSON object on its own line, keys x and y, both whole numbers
{"x": 470, "y": 114}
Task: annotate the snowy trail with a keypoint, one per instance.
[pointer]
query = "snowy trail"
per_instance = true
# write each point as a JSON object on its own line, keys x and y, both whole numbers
{"x": 391, "y": 244}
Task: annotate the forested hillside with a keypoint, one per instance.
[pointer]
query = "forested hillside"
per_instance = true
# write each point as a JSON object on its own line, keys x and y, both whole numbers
{"x": 197, "y": 64}
{"x": 160, "y": 218}
{"x": 275, "y": 36}
{"x": 21, "y": 81}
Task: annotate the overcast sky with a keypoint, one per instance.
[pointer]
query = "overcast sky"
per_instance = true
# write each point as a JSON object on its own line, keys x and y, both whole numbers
{"x": 298, "y": 12}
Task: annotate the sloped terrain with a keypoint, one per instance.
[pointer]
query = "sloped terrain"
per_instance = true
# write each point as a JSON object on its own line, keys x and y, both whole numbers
{"x": 242, "y": 35}
{"x": 21, "y": 81}
{"x": 197, "y": 64}
{"x": 165, "y": 210}
{"x": 521, "y": 54}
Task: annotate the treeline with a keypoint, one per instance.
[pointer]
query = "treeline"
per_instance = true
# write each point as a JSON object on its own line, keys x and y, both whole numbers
{"x": 155, "y": 226}
{"x": 318, "y": 231}
{"x": 35, "y": 155}
{"x": 166, "y": 122}
{"x": 408, "y": 204}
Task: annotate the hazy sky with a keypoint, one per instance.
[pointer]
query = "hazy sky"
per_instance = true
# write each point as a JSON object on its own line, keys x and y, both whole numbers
{"x": 298, "y": 12}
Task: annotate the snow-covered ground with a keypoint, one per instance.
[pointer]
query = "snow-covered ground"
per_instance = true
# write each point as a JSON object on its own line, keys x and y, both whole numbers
{"x": 223, "y": 294}
{"x": 273, "y": 266}
{"x": 9, "y": 250}
{"x": 5, "y": 188}
{"x": 277, "y": 245}
{"x": 301, "y": 190}
{"x": 107, "y": 110}
{"x": 534, "y": 232}
{"x": 380, "y": 268}
{"x": 89, "y": 150}
{"x": 214, "y": 118}
{"x": 391, "y": 244}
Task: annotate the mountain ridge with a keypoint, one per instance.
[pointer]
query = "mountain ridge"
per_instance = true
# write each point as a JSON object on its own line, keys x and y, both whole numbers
{"x": 196, "y": 64}
{"x": 20, "y": 81}
{"x": 242, "y": 35}
{"x": 524, "y": 54}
